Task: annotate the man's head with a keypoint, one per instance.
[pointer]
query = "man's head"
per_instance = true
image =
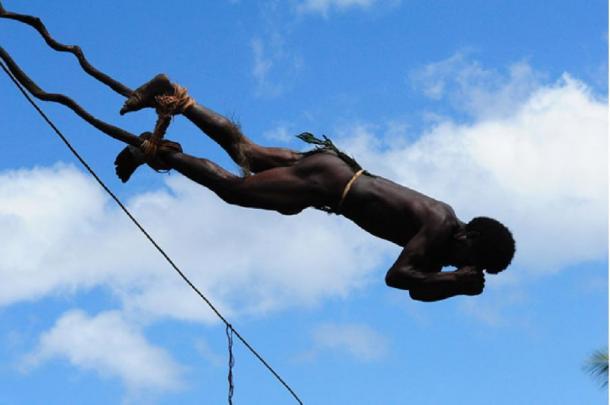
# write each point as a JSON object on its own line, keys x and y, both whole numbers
{"x": 492, "y": 244}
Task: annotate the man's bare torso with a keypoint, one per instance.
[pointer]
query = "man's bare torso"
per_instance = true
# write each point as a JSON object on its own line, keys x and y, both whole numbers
{"x": 391, "y": 211}
{"x": 386, "y": 209}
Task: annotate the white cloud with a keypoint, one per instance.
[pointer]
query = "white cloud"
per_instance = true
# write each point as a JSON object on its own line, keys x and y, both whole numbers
{"x": 280, "y": 133}
{"x": 262, "y": 63}
{"x": 356, "y": 340}
{"x": 473, "y": 89}
{"x": 111, "y": 347}
{"x": 540, "y": 167}
{"x": 63, "y": 235}
{"x": 492, "y": 309}
{"x": 323, "y": 7}
{"x": 275, "y": 64}
{"x": 209, "y": 354}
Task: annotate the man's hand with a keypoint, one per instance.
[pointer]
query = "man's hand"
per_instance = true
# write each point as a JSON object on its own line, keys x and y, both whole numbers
{"x": 472, "y": 280}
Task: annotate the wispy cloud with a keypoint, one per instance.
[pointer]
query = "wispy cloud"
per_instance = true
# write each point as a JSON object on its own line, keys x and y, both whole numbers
{"x": 274, "y": 65}
{"x": 109, "y": 346}
{"x": 474, "y": 89}
{"x": 209, "y": 354}
{"x": 356, "y": 340}
{"x": 324, "y": 7}
{"x": 262, "y": 62}
{"x": 280, "y": 133}
{"x": 276, "y": 61}
{"x": 497, "y": 310}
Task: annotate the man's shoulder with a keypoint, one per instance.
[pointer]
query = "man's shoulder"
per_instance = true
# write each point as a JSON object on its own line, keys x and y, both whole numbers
{"x": 422, "y": 206}
{"x": 438, "y": 214}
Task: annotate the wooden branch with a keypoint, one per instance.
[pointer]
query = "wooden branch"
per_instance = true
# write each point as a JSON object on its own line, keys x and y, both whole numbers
{"x": 111, "y": 130}
{"x": 37, "y": 24}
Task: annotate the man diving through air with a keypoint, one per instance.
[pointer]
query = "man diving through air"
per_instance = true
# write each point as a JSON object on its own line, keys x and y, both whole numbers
{"x": 286, "y": 181}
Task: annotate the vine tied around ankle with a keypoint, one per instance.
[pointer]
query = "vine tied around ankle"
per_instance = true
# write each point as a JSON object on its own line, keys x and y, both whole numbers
{"x": 151, "y": 144}
{"x": 173, "y": 104}
{"x": 167, "y": 105}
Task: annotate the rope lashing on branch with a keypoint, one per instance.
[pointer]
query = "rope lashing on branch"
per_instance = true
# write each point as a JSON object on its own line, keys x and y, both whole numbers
{"x": 229, "y": 328}
{"x": 173, "y": 104}
{"x": 167, "y": 105}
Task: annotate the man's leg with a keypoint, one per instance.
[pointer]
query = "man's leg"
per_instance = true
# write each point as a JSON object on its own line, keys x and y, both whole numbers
{"x": 243, "y": 151}
{"x": 287, "y": 190}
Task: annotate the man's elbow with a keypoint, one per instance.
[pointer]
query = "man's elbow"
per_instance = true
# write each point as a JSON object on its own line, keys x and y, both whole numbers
{"x": 393, "y": 279}
{"x": 419, "y": 295}
{"x": 390, "y": 279}
{"x": 403, "y": 280}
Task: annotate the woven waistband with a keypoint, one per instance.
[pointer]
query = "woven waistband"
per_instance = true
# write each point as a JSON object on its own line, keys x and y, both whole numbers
{"x": 348, "y": 187}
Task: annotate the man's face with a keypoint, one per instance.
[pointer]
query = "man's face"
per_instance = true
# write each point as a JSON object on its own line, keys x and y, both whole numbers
{"x": 461, "y": 251}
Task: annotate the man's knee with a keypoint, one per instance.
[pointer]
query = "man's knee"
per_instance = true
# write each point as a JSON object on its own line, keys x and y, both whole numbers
{"x": 403, "y": 279}
{"x": 259, "y": 158}
{"x": 233, "y": 191}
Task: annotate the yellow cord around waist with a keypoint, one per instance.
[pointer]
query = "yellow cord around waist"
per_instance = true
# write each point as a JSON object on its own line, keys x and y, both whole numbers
{"x": 348, "y": 187}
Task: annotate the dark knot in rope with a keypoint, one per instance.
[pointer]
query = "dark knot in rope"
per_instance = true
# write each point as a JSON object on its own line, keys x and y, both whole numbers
{"x": 167, "y": 105}
{"x": 173, "y": 104}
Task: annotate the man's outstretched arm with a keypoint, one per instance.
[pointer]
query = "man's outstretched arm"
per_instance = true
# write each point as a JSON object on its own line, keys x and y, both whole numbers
{"x": 467, "y": 280}
{"x": 437, "y": 286}
{"x": 414, "y": 271}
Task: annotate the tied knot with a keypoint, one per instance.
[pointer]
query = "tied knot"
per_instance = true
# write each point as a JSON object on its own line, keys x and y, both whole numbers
{"x": 173, "y": 104}
{"x": 149, "y": 147}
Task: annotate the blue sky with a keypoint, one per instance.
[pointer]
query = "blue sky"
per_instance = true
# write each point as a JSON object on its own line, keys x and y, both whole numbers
{"x": 497, "y": 108}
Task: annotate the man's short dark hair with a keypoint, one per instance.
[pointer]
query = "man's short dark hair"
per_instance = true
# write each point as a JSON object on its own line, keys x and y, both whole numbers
{"x": 494, "y": 246}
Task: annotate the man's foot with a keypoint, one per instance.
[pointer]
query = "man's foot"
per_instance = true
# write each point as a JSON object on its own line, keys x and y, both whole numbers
{"x": 127, "y": 162}
{"x": 144, "y": 96}
{"x": 130, "y": 158}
